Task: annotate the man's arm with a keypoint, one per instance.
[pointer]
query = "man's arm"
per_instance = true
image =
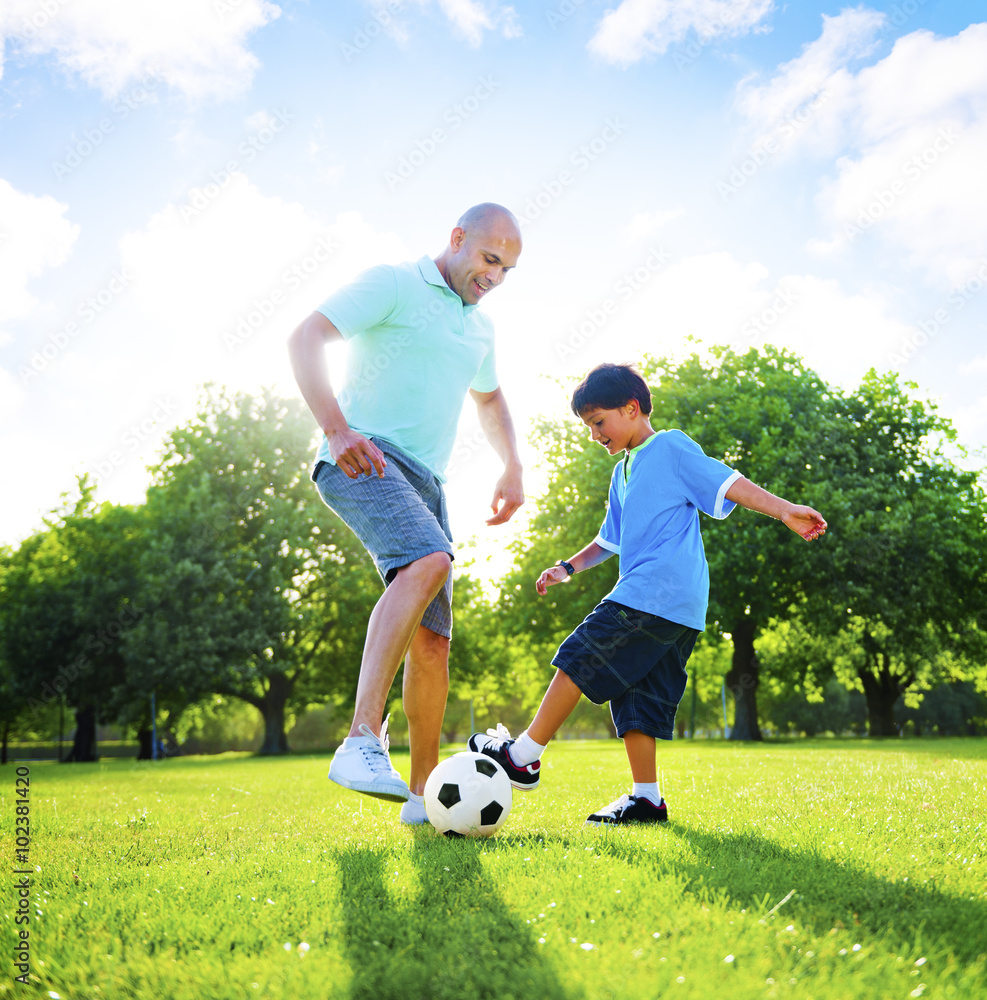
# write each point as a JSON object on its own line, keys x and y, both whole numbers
{"x": 495, "y": 419}
{"x": 802, "y": 520}
{"x": 352, "y": 452}
{"x": 592, "y": 555}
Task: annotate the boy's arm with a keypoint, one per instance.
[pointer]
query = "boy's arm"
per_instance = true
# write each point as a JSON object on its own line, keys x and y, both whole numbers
{"x": 592, "y": 555}
{"x": 802, "y": 520}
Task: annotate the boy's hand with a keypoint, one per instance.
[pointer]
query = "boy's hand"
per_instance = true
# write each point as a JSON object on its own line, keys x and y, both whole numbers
{"x": 805, "y": 521}
{"x": 551, "y": 576}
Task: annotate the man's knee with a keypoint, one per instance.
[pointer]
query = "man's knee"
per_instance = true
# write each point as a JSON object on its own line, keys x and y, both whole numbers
{"x": 434, "y": 567}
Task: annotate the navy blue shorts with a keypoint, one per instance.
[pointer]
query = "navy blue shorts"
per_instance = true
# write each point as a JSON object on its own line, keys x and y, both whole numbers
{"x": 634, "y": 660}
{"x": 399, "y": 518}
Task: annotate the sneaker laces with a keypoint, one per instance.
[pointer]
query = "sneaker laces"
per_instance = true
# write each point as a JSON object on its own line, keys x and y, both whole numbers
{"x": 615, "y": 806}
{"x": 375, "y": 754}
{"x": 501, "y": 735}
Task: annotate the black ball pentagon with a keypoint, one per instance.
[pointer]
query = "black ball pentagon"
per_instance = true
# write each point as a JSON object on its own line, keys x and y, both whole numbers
{"x": 449, "y": 795}
{"x": 487, "y": 767}
{"x": 490, "y": 813}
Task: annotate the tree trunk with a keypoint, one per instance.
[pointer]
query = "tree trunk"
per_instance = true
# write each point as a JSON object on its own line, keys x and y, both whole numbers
{"x": 272, "y": 707}
{"x": 882, "y": 690}
{"x": 84, "y": 748}
{"x": 145, "y": 750}
{"x": 743, "y": 680}
{"x": 6, "y": 734}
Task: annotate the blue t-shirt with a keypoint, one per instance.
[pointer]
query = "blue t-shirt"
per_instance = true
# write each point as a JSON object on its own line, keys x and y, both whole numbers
{"x": 415, "y": 349}
{"x": 652, "y": 523}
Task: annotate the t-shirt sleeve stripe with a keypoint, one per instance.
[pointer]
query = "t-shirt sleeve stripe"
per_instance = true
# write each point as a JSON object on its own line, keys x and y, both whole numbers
{"x": 724, "y": 506}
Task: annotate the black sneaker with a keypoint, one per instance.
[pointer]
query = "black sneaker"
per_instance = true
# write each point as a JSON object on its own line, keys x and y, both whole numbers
{"x": 495, "y": 745}
{"x": 631, "y": 809}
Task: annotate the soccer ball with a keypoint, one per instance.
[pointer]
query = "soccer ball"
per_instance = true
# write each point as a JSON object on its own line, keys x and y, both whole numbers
{"x": 468, "y": 795}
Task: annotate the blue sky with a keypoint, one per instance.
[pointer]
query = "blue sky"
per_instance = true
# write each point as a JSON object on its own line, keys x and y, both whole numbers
{"x": 181, "y": 184}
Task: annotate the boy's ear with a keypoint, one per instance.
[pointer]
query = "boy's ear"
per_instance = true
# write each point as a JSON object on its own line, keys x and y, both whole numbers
{"x": 632, "y": 408}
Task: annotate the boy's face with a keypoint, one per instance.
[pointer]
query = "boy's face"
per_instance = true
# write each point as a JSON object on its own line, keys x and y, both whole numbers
{"x": 616, "y": 430}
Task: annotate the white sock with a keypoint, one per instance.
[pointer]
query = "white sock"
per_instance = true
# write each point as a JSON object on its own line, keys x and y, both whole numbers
{"x": 355, "y": 741}
{"x": 646, "y": 790}
{"x": 416, "y": 798}
{"x": 524, "y": 750}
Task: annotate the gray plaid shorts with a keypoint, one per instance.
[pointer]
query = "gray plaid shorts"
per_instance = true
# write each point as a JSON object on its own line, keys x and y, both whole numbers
{"x": 399, "y": 518}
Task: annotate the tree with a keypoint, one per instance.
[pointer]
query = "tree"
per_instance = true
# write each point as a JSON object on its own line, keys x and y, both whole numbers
{"x": 906, "y": 562}
{"x": 254, "y": 589}
{"x": 66, "y": 599}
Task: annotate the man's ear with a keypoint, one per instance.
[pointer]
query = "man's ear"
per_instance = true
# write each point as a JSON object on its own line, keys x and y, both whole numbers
{"x": 457, "y": 237}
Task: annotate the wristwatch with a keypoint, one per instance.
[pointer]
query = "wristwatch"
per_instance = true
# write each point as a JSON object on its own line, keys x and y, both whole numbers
{"x": 567, "y": 566}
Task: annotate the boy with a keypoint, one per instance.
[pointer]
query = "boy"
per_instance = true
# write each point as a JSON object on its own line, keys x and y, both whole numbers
{"x": 632, "y": 648}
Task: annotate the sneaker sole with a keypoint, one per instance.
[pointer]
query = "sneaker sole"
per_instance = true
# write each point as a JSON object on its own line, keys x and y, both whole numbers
{"x": 389, "y": 793}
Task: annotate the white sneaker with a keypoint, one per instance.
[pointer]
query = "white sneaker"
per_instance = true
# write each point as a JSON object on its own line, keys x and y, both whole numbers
{"x": 367, "y": 767}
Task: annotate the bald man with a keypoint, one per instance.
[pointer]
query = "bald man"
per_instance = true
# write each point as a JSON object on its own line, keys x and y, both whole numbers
{"x": 417, "y": 344}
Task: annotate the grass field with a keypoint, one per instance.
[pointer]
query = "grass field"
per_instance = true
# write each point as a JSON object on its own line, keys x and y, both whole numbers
{"x": 829, "y": 870}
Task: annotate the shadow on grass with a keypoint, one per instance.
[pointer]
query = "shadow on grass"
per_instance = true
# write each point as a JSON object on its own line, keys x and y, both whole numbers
{"x": 456, "y": 939}
{"x": 752, "y": 872}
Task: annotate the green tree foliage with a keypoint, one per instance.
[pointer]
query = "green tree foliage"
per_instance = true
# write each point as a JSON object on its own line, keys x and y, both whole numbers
{"x": 253, "y": 588}
{"x": 906, "y": 560}
{"x": 67, "y": 597}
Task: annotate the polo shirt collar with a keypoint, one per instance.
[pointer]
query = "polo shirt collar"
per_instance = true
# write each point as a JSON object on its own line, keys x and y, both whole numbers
{"x": 430, "y": 272}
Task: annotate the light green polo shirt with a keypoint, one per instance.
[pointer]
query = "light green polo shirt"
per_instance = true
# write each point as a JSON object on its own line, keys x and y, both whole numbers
{"x": 414, "y": 350}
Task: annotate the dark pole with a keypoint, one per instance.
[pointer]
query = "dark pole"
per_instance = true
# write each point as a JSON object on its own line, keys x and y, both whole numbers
{"x": 61, "y": 725}
{"x": 692, "y": 723}
{"x": 154, "y": 730}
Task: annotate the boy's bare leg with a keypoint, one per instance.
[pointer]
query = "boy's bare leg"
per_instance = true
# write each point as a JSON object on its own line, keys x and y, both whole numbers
{"x": 640, "y": 749}
{"x": 560, "y": 699}
{"x": 393, "y": 624}
{"x": 425, "y": 689}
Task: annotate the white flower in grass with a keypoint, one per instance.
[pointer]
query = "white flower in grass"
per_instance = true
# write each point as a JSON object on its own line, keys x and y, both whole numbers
{"x": 303, "y": 948}
{"x": 728, "y": 959}
{"x": 287, "y": 946}
{"x": 586, "y": 946}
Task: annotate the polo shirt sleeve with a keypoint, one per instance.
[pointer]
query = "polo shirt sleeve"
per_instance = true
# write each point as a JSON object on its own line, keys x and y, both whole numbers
{"x": 486, "y": 379}
{"x": 364, "y": 303}
{"x": 705, "y": 480}
{"x": 609, "y": 534}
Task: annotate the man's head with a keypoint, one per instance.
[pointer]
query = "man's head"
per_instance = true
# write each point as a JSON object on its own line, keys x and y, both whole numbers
{"x": 483, "y": 247}
{"x": 614, "y": 402}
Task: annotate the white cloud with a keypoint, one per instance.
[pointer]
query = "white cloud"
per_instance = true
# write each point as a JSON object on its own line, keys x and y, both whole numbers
{"x": 195, "y": 46}
{"x": 818, "y": 72}
{"x": 644, "y": 225}
{"x": 638, "y": 28}
{"x": 471, "y": 18}
{"x": 34, "y": 235}
{"x": 907, "y": 139}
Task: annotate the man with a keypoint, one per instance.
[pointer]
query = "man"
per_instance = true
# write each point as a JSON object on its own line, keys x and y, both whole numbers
{"x": 417, "y": 344}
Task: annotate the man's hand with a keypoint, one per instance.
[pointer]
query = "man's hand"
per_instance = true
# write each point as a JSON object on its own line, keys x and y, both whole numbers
{"x": 805, "y": 521}
{"x": 508, "y": 496}
{"x": 355, "y": 454}
{"x": 550, "y": 577}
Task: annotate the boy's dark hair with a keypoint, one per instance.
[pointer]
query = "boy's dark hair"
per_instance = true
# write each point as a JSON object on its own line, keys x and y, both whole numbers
{"x": 609, "y": 386}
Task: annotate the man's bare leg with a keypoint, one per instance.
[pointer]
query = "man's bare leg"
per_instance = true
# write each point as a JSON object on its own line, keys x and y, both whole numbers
{"x": 390, "y": 631}
{"x": 426, "y": 687}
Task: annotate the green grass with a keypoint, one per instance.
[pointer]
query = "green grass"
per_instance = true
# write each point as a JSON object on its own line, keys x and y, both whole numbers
{"x": 830, "y": 869}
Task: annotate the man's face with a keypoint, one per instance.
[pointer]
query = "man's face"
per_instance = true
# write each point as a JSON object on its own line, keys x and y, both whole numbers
{"x": 614, "y": 429}
{"x": 481, "y": 259}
